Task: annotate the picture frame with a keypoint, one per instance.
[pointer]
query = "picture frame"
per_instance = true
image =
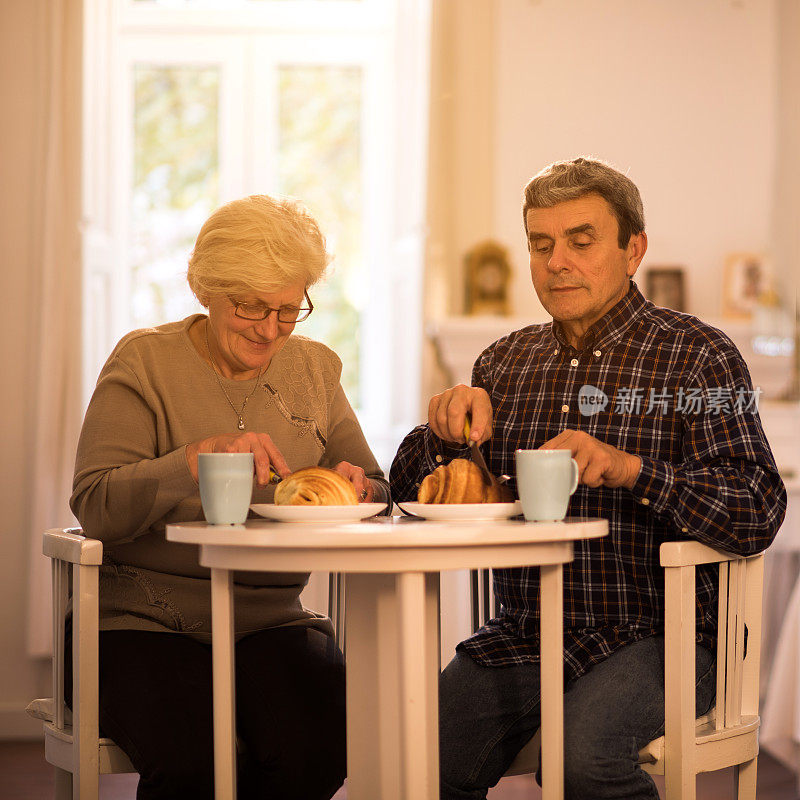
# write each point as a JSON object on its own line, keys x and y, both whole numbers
{"x": 665, "y": 286}
{"x": 745, "y": 280}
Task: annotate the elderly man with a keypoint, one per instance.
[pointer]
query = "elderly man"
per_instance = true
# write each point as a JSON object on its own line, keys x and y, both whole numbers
{"x": 659, "y": 411}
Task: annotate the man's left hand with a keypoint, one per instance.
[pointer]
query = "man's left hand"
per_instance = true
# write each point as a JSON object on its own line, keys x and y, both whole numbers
{"x": 599, "y": 464}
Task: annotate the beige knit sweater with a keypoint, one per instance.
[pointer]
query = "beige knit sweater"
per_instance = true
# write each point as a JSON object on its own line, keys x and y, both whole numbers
{"x": 154, "y": 396}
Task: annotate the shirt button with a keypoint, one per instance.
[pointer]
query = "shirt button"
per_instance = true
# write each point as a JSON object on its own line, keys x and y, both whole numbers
{"x": 598, "y": 353}
{"x": 574, "y": 362}
{"x": 438, "y": 459}
{"x": 645, "y": 501}
{"x": 565, "y": 408}
{"x": 685, "y": 530}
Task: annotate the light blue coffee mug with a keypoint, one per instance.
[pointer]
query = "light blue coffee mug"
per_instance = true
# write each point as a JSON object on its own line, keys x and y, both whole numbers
{"x": 546, "y": 479}
{"x": 226, "y": 486}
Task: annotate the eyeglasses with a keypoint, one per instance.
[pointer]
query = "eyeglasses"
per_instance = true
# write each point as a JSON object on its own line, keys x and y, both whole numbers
{"x": 286, "y": 314}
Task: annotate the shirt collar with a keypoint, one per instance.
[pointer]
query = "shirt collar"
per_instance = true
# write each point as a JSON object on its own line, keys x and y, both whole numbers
{"x": 610, "y": 327}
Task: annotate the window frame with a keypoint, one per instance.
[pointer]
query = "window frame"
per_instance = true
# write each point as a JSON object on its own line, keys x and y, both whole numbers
{"x": 389, "y": 40}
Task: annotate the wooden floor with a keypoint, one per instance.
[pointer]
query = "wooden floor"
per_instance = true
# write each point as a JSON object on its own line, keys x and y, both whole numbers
{"x": 24, "y": 775}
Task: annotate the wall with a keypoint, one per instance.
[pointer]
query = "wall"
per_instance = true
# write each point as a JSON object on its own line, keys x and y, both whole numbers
{"x": 21, "y": 46}
{"x": 786, "y": 231}
{"x": 686, "y": 97}
{"x": 460, "y": 205}
{"x": 681, "y": 96}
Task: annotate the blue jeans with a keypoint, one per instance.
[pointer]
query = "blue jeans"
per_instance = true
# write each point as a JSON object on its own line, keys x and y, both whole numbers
{"x": 487, "y": 714}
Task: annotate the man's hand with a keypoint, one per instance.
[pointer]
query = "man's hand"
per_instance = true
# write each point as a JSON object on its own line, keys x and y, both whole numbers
{"x": 599, "y": 464}
{"x": 448, "y": 411}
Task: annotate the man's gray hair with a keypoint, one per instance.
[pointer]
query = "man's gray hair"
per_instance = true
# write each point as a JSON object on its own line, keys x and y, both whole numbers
{"x": 569, "y": 180}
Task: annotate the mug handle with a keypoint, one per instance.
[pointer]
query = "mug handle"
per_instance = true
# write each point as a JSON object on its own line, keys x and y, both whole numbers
{"x": 574, "y": 476}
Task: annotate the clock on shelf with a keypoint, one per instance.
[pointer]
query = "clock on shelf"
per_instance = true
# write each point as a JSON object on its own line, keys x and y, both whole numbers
{"x": 487, "y": 277}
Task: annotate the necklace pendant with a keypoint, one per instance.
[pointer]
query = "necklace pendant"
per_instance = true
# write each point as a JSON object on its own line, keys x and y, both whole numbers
{"x": 241, "y": 424}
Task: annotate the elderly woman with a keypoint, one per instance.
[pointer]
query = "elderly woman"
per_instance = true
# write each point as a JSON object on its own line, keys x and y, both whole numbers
{"x": 234, "y": 380}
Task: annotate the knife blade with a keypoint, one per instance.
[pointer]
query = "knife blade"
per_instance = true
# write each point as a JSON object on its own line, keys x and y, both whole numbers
{"x": 477, "y": 456}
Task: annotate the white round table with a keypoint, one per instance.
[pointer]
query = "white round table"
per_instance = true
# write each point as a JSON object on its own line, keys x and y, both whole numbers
{"x": 392, "y": 568}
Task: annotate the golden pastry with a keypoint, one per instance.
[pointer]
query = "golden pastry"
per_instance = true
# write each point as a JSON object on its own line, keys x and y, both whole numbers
{"x": 315, "y": 486}
{"x": 461, "y": 482}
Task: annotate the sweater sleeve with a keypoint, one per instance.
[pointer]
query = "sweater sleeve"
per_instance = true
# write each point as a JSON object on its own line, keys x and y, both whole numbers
{"x": 121, "y": 485}
{"x": 346, "y": 442}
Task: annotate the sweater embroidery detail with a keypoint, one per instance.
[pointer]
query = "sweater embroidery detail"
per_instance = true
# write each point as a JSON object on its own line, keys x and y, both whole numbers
{"x": 304, "y": 426}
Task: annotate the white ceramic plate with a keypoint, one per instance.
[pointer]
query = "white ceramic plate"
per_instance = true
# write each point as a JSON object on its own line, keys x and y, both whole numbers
{"x": 462, "y": 511}
{"x": 318, "y": 513}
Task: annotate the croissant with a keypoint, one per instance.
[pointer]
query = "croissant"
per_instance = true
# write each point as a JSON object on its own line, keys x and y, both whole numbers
{"x": 461, "y": 482}
{"x": 315, "y": 486}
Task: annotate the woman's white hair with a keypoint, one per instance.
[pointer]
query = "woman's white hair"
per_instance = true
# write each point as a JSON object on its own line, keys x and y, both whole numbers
{"x": 256, "y": 244}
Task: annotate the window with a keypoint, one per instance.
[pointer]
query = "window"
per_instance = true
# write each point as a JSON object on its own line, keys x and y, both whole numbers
{"x": 175, "y": 184}
{"x": 192, "y": 103}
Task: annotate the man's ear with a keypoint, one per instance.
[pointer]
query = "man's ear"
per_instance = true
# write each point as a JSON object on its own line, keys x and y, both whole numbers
{"x": 637, "y": 247}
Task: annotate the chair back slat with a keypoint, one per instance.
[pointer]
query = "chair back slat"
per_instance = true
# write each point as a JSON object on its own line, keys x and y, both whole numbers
{"x": 752, "y": 663}
{"x": 741, "y": 602}
{"x": 336, "y": 606}
{"x": 482, "y": 601}
{"x": 474, "y": 600}
{"x": 487, "y": 596}
{"x": 61, "y": 574}
{"x": 730, "y": 634}
{"x": 722, "y": 643}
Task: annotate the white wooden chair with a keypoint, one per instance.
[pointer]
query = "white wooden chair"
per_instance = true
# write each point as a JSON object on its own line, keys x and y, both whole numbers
{"x": 728, "y": 735}
{"x": 72, "y": 741}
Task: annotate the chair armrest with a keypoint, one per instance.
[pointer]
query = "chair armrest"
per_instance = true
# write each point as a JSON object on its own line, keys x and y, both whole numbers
{"x": 689, "y": 554}
{"x": 69, "y": 544}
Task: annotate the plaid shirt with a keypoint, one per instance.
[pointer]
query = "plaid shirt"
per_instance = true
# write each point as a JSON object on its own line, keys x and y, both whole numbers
{"x": 666, "y": 387}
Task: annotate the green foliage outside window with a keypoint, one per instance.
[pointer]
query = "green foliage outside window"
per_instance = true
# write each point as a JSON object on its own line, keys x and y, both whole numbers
{"x": 175, "y": 184}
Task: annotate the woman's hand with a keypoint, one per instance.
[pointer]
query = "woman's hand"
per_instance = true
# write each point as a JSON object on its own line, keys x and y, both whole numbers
{"x": 448, "y": 411}
{"x": 361, "y": 483}
{"x": 265, "y": 453}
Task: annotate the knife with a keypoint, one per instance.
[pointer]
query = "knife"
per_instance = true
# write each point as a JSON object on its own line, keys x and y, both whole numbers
{"x": 477, "y": 456}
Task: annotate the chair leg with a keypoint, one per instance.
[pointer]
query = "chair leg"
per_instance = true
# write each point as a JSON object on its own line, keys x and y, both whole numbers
{"x": 744, "y": 780}
{"x": 63, "y": 784}
{"x": 681, "y": 786}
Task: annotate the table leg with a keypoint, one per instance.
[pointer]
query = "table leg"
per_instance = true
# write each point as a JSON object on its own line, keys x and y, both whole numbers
{"x": 392, "y": 686}
{"x": 552, "y": 684}
{"x": 222, "y": 654}
{"x": 418, "y": 595}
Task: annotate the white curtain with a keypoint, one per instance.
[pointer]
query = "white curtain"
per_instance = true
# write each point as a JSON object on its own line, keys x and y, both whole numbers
{"x": 56, "y": 391}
